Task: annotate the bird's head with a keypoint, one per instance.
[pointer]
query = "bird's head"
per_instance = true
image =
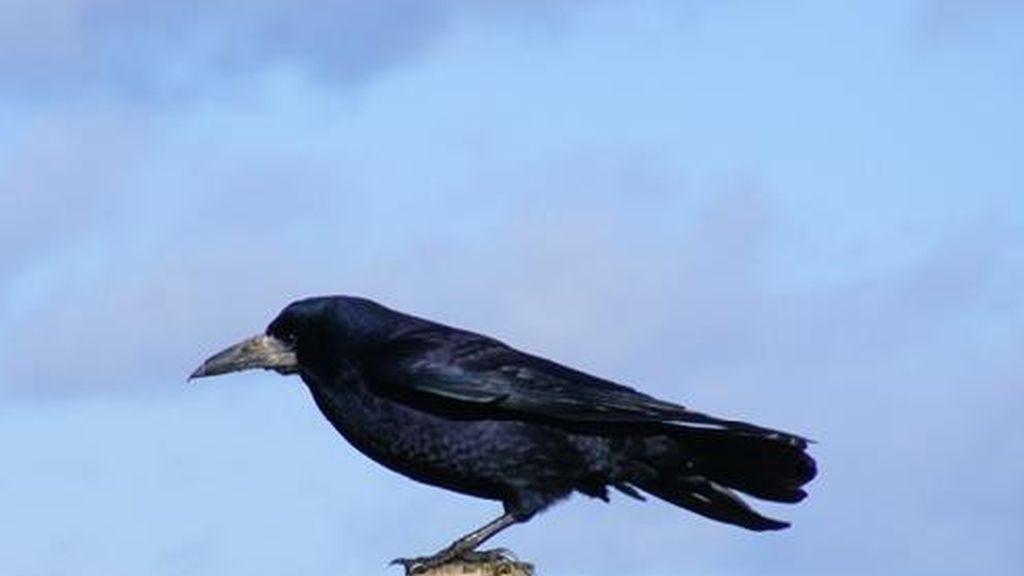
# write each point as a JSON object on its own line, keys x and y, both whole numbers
{"x": 307, "y": 333}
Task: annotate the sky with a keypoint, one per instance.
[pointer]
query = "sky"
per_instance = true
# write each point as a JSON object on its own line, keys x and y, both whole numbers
{"x": 805, "y": 214}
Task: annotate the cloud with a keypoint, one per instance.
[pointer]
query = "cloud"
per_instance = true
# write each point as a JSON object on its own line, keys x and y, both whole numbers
{"x": 64, "y": 177}
{"x": 938, "y": 20}
{"x": 159, "y": 51}
{"x": 124, "y": 279}
{"x": 133, "y": 290}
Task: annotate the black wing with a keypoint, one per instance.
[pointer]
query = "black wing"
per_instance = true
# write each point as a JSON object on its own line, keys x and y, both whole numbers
{"x": 479, "y": 371}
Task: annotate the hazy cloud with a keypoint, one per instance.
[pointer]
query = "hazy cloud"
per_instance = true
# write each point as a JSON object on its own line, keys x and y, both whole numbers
{"x": 66, "y": 176}
{"x": 944, "y": 19}
{"x": 162, "y": 50}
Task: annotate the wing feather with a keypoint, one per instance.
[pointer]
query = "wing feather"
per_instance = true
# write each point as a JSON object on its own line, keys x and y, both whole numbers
{"x": 476, "y": 370}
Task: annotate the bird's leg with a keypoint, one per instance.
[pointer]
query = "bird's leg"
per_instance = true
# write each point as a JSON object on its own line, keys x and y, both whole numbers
{"x": 463, "y": 548}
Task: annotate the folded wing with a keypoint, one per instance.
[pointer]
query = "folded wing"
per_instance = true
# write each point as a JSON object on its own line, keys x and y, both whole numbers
{"x": 485, "y": 373}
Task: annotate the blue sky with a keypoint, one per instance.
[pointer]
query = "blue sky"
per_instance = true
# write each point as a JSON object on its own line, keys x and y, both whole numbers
{"x": 807, "y": 214}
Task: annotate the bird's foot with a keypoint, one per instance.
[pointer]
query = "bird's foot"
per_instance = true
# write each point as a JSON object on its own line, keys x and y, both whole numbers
{"x": 453, "y": 554}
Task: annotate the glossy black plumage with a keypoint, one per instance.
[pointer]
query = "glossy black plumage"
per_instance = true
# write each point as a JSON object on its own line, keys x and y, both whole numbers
{"x": 468, "y": 413}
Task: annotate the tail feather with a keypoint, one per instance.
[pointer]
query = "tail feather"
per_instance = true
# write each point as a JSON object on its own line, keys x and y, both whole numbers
{"x": 767, "y": 467}
{"x": 698, "y": 469}
{"x": 709, "y": 499}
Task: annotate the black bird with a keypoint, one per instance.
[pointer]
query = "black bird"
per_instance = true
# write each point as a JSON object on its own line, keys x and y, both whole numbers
{"x": 471, "y": 414}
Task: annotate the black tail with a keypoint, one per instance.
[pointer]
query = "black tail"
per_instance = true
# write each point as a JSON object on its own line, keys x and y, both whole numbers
{"x": 698, "y": 468}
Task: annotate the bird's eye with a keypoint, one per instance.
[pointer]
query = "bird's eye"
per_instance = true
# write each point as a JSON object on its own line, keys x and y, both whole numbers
{"x": 289, "y": 338}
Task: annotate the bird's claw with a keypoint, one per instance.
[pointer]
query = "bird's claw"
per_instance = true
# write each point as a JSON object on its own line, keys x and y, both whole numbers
{"x": 421, "y": 564}
{"x": 410, "y": 564}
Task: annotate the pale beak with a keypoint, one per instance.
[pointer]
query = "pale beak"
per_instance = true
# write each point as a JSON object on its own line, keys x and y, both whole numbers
{"x": 260, "y": 351}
